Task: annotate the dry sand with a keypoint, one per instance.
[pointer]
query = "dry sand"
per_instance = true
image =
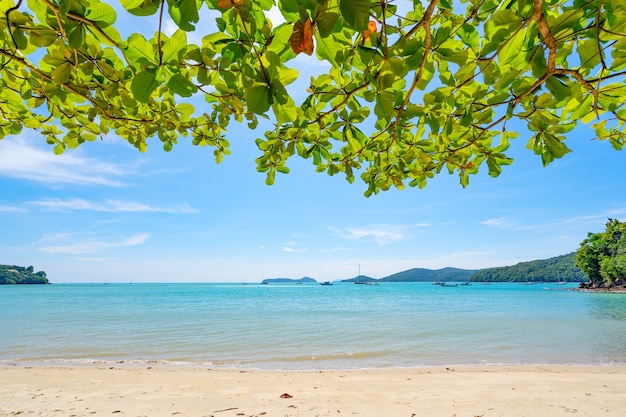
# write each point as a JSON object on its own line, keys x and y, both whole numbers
{"x": 156, "y": 391}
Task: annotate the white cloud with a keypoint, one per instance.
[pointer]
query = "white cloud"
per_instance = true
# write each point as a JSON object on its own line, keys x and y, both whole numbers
{"x": 91, "y": 246}
{"x": 337, "y": 249}
{"x": 12, "y": 209}
{"x": 18, "y": 159}
{"x": 499, "y": 222}
{"x": 291, "y": 249}
{"x": 115, "y": 206}
{"x": 382, "y": 234}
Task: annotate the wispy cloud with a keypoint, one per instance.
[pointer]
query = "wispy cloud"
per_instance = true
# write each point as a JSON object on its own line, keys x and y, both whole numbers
{"x": 12, "y": 209}
{"x": 499, "y": 222}
{"x": 382, "y": 234}
{"x": 337, "y": 249}
{"x": 90, "y": 246}
{"x": 114, "y": 206}
{"x": 18, "y": 159}
{"x": 291, "y": 249}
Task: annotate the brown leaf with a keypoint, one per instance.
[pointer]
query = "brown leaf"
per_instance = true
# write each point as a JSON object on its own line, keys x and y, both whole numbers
{"x": 301, "y": 39}
{"x": 224, "y": 4}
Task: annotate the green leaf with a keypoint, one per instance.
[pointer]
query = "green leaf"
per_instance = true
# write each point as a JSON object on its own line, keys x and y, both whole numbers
{"x": 326, "y": 22}
{"x": 76, "y": 37}
{"x": 356, "y": 13}
{"x": 464, "y": 178}
{"x": 143, "y": 85}
{"x": 259, "y": 98}
{"x": 513, "y": 53}
{"x": 494, "y": 168}
{"x": 282, "y": 169}
{"x": 174, "y": 47}
{"x": 588, "y": 52}
{"x": 560, "y": 90}
{"x": 469, "y": 35}
{"x": 20, "y": 39}
{"x": 181, "y": 85}
{"x": 62, "y": 74}
{"x": 102, "y": 13}
{"x": 141, "y": 7}
{"x": 556, "y": 148}
{"x": 330, "y": 48}
{"x": 287, "y": 76}
{"x": 184, "y": 13}
{"x": 139, "y": 50}
{"x": 59, "y": 149}
{"x": 271, "y": 175}
{"x": 384, "y": 105}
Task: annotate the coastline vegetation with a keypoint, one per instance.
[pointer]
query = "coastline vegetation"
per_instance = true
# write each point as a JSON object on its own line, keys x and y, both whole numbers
{"x": 12, "y": 274}
{"x": 602, "y": 256}
{"x": 558, "y": 269}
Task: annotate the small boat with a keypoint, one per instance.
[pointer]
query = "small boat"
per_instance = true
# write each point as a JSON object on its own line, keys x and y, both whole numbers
{"x": 445, "y": 284}
{"x": 326, "y": 283}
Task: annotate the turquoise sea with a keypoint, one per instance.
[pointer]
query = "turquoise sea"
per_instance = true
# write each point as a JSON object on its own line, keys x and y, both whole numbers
{"x": 310, "y": 326}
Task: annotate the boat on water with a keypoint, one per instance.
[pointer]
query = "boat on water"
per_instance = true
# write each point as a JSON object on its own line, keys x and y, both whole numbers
{"x": 445, "y": 284}
{"x": 326, "y": 283}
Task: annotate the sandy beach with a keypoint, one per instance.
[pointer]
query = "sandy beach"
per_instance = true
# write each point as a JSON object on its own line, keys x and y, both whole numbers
{"x": 152, "y": 391}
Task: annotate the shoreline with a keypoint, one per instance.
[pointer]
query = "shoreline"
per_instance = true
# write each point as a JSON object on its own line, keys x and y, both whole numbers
{"x": 437, "y": 391}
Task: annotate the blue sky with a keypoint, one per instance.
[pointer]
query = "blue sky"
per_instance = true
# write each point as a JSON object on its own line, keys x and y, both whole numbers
{"x": 106, "y": 212}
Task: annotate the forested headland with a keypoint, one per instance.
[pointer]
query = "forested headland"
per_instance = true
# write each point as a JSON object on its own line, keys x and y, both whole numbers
{"x": 13, "y": 274}
{"x": 559, "y": 268}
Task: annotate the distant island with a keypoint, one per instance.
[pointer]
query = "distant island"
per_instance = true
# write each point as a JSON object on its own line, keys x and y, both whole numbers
{"x": 13, "y": 274}
{"x": 289, "y": 280}
{"x": 558, "y": 269}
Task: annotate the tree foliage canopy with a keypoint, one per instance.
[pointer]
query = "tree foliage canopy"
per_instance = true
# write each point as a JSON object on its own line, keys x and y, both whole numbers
{"x": 411, "y": 88}
{"x": 13, "y": 274}
{"x": 602, "y": 256}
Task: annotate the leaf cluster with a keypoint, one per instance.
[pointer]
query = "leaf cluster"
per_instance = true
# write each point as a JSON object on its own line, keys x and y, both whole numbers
{"x": 410, "y": 90}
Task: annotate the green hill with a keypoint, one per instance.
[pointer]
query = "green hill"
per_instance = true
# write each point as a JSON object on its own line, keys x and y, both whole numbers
{"x": 429, "y": 275}
{"x": 12, "y": 274}
{"x": 560, "y": 268}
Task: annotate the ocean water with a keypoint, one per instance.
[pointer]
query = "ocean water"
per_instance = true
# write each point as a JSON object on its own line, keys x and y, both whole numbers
{"x": 309, "y": 326}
